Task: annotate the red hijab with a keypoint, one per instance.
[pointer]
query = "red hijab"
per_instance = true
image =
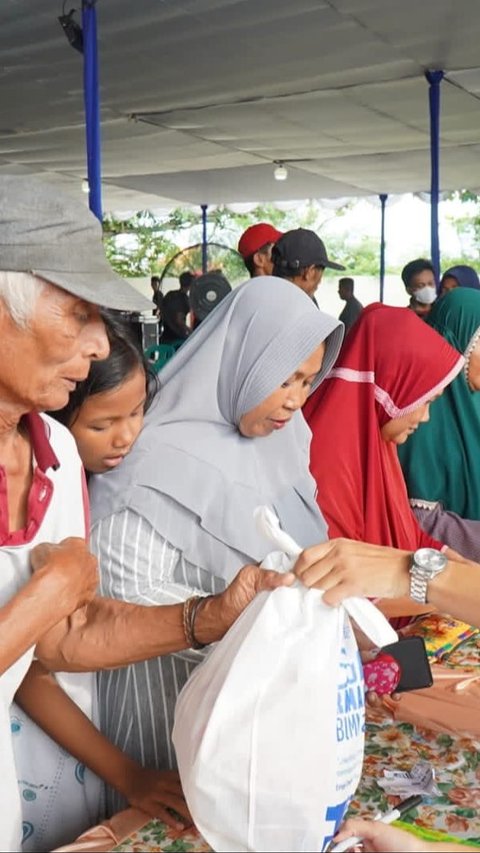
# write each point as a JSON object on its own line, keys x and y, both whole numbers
{"x": 391, "y": 363}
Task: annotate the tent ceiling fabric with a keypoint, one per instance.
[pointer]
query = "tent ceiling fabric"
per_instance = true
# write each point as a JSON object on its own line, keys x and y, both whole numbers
{"x": 199, "y": 97}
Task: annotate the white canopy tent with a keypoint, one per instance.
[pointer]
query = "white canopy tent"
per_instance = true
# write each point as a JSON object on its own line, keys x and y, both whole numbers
{"x": 200, "y": 97}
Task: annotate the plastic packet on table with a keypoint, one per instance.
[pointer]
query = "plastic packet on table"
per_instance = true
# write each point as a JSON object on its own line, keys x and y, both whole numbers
{"x": 404, "y": 783}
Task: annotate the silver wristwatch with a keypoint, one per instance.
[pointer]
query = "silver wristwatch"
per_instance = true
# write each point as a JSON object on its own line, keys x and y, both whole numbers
{"x": 427, "y": 564}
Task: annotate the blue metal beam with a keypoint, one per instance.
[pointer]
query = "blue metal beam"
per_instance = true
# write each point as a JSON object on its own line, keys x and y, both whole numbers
{"x": 92, "y": 106}
{"x": 434, "y": 79}
{"x": 383, "y": 201}
{"x": 204, "y": 238}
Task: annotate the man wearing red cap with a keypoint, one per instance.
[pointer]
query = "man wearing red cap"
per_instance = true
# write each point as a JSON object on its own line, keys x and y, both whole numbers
{"x": 255, "y": 247}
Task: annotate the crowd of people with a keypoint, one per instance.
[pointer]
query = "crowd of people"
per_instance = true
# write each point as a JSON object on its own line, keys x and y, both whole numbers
{"x": 134, "y": 569}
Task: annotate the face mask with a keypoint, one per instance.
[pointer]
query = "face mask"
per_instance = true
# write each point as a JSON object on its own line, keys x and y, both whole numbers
{"x": 426, "y": 295}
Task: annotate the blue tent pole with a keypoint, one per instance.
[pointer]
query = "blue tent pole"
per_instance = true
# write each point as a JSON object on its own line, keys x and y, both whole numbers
{"x": 204, "y": 238}
{"x": 434, "y": 79}
{"x": 383, "y": 201}
{"x": 92, "y": 106}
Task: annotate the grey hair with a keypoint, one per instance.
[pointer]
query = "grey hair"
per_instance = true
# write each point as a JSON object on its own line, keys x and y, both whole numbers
{"x": 20, "y": 291}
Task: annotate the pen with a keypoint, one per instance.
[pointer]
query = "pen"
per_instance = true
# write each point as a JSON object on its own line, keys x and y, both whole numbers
{"x": 388, "y": 817}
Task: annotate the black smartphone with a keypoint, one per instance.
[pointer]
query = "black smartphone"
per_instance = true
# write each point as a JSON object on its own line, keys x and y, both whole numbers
{"x": 415, "y": 669}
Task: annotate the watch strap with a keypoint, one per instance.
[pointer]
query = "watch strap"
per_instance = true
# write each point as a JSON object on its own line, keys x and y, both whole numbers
{"x": 418, "y": 586}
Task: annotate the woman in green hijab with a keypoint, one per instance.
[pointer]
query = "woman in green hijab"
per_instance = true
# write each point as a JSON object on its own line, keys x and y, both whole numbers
{"x": 441, "y": 460}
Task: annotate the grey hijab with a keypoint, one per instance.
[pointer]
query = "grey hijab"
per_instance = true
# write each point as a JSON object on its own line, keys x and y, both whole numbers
{"x": 191, "y": 473}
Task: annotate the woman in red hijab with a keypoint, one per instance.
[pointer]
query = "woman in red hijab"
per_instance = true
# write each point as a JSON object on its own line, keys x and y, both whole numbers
{"x": 391, "y": 367}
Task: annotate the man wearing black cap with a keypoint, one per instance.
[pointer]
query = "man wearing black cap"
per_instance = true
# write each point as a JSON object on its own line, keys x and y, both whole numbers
{"x": 301, "y": 257}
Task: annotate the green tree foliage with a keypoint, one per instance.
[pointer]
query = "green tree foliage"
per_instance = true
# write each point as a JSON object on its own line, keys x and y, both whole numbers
{"x": 359, "y": 256}
{"x": 220, "y": 258}
{"x": 140, "y": 246}
{"x": 143, "y": 244}
{"x": 467, "y": 228}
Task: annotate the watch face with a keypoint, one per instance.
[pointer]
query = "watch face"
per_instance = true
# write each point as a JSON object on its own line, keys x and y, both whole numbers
{"x": 430, "y": 560}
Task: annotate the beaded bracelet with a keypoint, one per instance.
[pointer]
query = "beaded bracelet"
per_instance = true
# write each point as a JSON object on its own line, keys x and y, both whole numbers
{"x": 190, "y": 608}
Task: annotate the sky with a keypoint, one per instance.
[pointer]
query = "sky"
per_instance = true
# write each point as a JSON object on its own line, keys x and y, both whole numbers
{"x": 407, "y": 226}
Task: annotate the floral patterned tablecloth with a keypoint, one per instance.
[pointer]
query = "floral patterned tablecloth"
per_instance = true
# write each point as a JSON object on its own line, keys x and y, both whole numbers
{"x": 457, "y": 768}
{"x": 466, "y": 655}
{"x": 455, "y": 759}
{"x": 155, "y": 837}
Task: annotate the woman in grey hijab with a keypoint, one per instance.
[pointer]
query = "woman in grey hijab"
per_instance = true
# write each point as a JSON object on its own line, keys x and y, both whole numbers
{"x": 224, "y": 434}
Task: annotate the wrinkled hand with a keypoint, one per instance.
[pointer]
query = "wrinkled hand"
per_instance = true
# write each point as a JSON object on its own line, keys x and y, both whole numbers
{"x": 156, "y": 791}
{"x": 381, "y": 838}
{"x": 68, "y": 570}
{"x": 219, "y": 613}
{"x": 343, "y": 568}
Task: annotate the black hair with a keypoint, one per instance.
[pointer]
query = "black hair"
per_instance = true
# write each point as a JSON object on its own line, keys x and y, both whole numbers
{"x": 415, "y": 267}
{"x": 124, "y": 357}
{"x": 186, "y": 278}
{"x": 249, "y": 261}
{"x": 250, "y": 264}
{"x": 347, "y": 283}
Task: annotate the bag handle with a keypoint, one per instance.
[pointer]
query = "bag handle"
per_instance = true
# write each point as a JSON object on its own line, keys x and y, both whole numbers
{"x": 362, "y": 611}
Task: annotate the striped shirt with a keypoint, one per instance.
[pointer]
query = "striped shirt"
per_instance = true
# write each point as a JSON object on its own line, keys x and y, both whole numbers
{"x": 137, "y": 702}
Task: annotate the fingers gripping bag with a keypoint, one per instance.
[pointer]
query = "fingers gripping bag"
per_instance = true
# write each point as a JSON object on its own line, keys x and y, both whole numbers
{"x": 269, "y": 729}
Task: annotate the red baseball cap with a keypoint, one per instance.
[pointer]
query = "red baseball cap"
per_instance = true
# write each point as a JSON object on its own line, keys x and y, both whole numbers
{"x": 257, "y": 236}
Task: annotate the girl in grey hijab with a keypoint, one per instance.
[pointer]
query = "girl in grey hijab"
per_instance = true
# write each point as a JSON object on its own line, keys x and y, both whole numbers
{"x": 176, "y": 518}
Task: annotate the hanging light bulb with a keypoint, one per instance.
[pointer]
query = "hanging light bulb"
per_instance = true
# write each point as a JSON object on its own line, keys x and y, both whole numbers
{"x": 85, "y": 186}
{"x": 281, "y": 172}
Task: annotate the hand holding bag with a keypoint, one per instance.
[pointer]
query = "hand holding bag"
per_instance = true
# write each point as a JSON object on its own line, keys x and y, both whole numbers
{"x": 269, "y": 729}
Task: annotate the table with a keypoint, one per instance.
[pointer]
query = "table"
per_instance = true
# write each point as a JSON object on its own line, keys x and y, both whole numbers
{"x": 456, "y": 811}
{"x": 456, "y": 760}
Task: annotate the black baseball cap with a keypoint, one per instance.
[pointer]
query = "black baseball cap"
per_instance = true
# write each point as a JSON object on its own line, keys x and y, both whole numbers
{"x": 301, "y": 248}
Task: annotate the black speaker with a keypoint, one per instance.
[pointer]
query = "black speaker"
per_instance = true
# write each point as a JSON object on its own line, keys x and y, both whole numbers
{"x": 206, "y": 292}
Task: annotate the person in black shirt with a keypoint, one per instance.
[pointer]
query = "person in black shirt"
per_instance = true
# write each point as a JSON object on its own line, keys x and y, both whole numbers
{"x": 174, "y": 310}
{"x": 157, "y": 295}
{"x": 353, "y": 307}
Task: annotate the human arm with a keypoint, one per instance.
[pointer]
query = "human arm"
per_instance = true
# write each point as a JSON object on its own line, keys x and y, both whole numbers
{"x": 42, "y": 698}
{"x": 343, "y": 568}
{"x": 108, "y": 633}
{"x": 140, "y": 567}
{"x": 454, "y": 555}
{"x": 378, "y": 837}
{"x": 66, "y": 580}
{"x": 180, "y": 323}
{"x": 449, "y": 527}
{"x": 175, "y": 307}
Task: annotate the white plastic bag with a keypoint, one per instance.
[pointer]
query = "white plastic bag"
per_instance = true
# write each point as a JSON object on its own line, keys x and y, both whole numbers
{"x": 269, "y": 730}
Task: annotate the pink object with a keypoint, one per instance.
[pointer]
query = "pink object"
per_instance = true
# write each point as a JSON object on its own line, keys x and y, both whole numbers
{"x": 382, "y": 674}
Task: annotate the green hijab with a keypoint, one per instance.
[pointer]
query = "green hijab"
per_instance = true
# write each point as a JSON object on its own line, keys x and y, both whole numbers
{"x": 441, "y": 460}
